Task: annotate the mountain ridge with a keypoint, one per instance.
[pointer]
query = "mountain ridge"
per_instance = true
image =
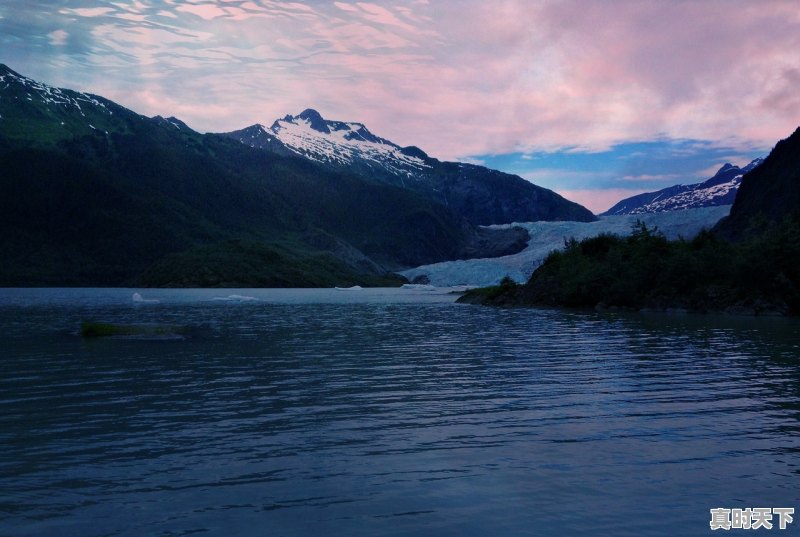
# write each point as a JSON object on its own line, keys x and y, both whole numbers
{"x": 720, "y": 189}
{"x": 482, "y": 195}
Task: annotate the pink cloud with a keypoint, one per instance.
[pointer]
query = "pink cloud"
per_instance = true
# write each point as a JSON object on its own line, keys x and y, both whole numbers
{"x": 591, "y": 73}
{"x": 381, "y": 15}
{"x": 58, "y": 37}
{"x": 346, "y": 7}
{"x": 89, "y": 11}
{"x": 206, "y": 11}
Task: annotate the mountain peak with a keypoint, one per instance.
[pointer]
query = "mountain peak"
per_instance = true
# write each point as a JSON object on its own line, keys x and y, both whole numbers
{"x": 314, "y": 119}
{"x": 5, "y": 70}
{"x": 172, "y": 121}
{"x": 755, "y": 163}
{"x": 310, "y": 114}
{"x": 725, "y": 167}
{"x": 338, "y": 143}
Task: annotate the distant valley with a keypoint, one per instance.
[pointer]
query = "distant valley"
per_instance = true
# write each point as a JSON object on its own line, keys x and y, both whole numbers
{"x": 748, "y": 263}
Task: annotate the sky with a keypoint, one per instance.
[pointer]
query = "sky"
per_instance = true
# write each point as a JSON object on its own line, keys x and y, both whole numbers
{"x": 595, "y": 99}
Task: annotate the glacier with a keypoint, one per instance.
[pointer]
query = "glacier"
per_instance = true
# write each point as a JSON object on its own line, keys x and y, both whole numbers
{"x": 548, "y": 236}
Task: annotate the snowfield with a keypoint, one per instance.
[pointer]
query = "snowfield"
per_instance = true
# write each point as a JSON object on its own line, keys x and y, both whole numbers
{"x": 549, "y": 236}
{"x": 339, "y": 142}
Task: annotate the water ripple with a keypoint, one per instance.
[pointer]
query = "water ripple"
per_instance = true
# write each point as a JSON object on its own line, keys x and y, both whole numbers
{"x": 390, "y": 418}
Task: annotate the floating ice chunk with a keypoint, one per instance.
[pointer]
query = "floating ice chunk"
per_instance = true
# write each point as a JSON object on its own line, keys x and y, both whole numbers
{"x": 137, "y": 298}
{"x": 235, "y": 298}
{"x": 419, "y": 286}
{"x": 354, "y": 288}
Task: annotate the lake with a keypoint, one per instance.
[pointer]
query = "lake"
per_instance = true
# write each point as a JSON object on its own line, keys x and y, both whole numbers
{"x": 386, "y": 412}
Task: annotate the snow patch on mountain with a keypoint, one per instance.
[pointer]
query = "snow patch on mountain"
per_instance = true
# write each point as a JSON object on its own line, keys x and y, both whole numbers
{"x": 338, "y": 142}
{"x": 49, "y": 95}
{"x": 549, "y": 236}
{"x": 697, "y": 197}
{"x": 720, "y": 189}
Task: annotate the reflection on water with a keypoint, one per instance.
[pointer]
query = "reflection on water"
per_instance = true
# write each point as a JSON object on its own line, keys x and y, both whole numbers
{"x": 387, "y": 412}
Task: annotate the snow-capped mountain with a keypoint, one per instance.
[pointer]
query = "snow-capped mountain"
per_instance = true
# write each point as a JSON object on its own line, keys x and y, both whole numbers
{"x": 337, "y": 142}
{"x": 720, "y": 189}
{"x": 481, "y": 195}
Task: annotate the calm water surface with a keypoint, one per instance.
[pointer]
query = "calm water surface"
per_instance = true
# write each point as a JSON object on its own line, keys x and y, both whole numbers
{"x": 387, "y": 413}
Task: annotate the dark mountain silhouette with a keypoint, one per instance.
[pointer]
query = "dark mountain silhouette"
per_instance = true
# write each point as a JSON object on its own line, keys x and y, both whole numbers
{"x": 768, "y": 194}
{"x": 93, "y": 193}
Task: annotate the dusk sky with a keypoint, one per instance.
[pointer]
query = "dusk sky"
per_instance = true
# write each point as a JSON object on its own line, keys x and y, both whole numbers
{"x": 597, "y": 100}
